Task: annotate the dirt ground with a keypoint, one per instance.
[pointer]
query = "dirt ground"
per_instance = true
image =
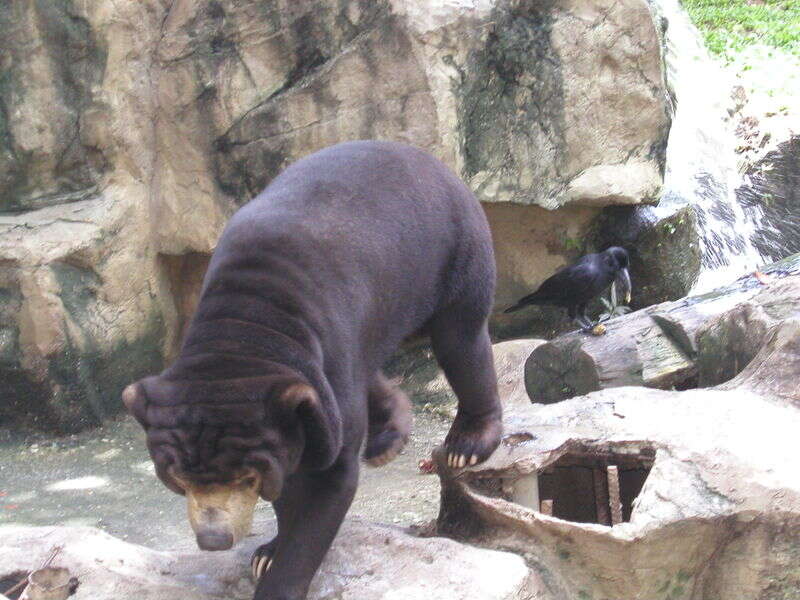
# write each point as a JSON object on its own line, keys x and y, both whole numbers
{"x": 104, "y": 478}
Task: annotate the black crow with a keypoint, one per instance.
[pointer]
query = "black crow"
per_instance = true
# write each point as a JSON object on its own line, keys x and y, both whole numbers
{"x": 574, "y": 286}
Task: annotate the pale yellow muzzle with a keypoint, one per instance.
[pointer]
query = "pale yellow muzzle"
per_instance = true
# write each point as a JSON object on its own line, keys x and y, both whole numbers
{"x": 222, "y": 514}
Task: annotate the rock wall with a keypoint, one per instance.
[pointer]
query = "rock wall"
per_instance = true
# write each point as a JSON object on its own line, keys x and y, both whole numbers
{"x": 129, "y": 132}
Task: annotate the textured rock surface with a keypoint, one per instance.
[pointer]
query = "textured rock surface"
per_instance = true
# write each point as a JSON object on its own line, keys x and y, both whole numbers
{"x": 366, "y": 562}
{"x": 710, "y": 505}
{"x": 423, "y": 380}
{"x": 129, "y": 132}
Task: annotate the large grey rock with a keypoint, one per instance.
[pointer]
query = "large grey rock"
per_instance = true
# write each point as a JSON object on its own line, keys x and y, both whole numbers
{"x": 366, "y": 562}
{"x": 710, "y": 504}
{"x": 422, "y": 379}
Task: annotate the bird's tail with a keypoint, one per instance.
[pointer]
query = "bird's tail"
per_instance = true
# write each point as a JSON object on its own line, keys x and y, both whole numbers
{"x": 522, "y": 303}
{"x": 515, "y": 308}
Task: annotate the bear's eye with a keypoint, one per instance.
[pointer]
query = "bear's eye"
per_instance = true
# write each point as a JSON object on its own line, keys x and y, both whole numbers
{"x": 251, "y": 481}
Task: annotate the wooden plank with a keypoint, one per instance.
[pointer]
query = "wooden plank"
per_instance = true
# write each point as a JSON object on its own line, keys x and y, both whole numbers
{"x": 546, "y": 508}
{"x": 601, "y": 495}
{"x": 614, "y": 502}
{"x": 654, "y": 347}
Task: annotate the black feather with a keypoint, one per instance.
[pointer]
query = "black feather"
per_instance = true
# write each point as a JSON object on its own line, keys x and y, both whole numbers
{"x": 573, "y": 286}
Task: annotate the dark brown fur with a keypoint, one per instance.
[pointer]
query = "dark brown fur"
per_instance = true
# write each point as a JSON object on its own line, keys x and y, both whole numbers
{"x": 312, "y": 287}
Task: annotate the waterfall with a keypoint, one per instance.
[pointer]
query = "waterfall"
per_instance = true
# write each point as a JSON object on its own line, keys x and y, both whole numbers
{"x": 701, "y": 168}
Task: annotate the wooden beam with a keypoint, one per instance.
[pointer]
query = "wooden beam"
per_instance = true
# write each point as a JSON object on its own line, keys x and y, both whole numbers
{"x": 613, "y": 495}
{"x": 547, "y": 508}
{"x": 601, "y": 495}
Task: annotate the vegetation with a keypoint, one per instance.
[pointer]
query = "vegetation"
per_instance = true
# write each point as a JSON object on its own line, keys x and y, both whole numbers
{"x": 612, "y": 306}
{"x": 729, "y": 26}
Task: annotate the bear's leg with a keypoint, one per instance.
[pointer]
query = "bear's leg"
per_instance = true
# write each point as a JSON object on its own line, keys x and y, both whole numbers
{"x": 263, "y": 555}
{"x": 321, "y": 500}
{"x": 262, "y": 558}
{"x": 390, "y": 421}
{"x": 463, "y": 349}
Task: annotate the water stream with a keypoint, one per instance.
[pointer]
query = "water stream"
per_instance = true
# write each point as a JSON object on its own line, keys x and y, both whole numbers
{"x": 701, "y": 164}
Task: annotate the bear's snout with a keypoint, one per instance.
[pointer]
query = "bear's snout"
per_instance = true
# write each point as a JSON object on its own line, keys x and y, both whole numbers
{"x": 221, "y": 514}
{"x": 214, "y": 540}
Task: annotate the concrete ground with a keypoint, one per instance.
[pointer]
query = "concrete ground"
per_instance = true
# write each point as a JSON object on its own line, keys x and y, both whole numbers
{"x": 104, "y": 478}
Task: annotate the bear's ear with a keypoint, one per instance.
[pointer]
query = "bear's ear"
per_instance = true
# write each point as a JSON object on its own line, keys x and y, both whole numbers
{"x": 297, "y": 394}
{"x": 134, "y": 401}
{"x": 322, "y": 424}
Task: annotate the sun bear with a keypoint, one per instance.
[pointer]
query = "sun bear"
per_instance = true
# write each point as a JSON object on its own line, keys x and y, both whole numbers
{"x": 313, "y": 285}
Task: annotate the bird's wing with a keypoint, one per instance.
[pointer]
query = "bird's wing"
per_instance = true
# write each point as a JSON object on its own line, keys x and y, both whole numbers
{"x": 572, "y": 285}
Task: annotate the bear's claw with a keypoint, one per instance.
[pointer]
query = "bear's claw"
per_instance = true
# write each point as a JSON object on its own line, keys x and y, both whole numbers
{"x": 472, "y": 440}
{"x": 262, "y": 560}
{"x": 391, "y": 442}
{"x": 260, "y": 565}
{"x": 459, "y": 461}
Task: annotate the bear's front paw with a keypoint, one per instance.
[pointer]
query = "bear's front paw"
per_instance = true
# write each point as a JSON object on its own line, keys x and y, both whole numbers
{"x": 262, "y": 559}
{"x": 472, "y": 440}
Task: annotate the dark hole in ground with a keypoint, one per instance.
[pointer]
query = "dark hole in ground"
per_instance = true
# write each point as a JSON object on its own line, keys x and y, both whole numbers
{"x": 13, "y": 581}
{"x": 10, "y": 581}
{"x": 581, "y": 485}
{"x": 585, "y": 485}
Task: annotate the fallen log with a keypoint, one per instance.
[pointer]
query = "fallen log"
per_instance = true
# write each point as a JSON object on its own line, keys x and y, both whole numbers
{"x": 697, "y": 341}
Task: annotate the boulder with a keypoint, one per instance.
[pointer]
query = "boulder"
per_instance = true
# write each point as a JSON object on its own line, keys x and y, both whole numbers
{"x": 639, "y": 493}
{"x": 366, "y": 562}
{"x": 419, "y": 374}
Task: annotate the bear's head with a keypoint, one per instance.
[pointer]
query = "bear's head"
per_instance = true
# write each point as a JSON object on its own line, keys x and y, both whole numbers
{"x": 223, "y": 444}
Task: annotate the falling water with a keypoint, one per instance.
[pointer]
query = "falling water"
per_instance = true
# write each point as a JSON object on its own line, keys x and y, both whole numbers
{"x": 770, "y": 197}
{"x": 701, "y": 168}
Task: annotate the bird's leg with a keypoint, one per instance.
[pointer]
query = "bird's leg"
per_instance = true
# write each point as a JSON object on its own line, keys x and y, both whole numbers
{"x": 576, "y": 313}
{"x": 589, "y": 327}
{"x": 582, "y": 320}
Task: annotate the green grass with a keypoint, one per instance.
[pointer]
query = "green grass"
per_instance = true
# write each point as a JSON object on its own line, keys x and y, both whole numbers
{"x": 731, "y": 25}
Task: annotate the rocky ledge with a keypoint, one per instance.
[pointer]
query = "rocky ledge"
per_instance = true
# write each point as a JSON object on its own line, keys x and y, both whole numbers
{"x": 367, "y": 561}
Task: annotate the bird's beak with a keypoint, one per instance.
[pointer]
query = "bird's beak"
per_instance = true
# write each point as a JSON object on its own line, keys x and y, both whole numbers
{"x": 623, "y": 280}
